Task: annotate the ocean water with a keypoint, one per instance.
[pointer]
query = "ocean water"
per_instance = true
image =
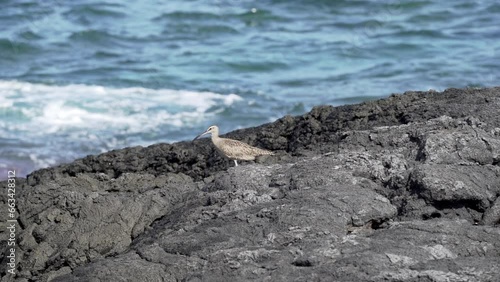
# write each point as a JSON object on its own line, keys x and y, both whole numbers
{"x": 85, "y": 77}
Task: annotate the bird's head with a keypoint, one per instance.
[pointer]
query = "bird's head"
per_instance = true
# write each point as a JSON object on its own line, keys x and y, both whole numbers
{"x": 210, "y": 130}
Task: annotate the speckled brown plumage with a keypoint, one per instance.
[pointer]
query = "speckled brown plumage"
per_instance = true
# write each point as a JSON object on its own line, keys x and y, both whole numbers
{"x": 234, "y": 149}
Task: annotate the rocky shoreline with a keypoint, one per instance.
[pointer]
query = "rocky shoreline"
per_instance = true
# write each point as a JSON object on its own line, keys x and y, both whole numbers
{"x": 400, "y": 189}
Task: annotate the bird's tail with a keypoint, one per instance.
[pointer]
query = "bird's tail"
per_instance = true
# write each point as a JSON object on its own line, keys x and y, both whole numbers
{"x": 267, "y": 153}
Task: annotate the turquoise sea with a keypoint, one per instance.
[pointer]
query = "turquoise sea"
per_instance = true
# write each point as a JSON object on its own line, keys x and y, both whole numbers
{"x": 85, "y": 77}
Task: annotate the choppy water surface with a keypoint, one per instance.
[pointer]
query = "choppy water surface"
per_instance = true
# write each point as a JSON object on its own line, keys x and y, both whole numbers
{"x": 80, "y": 77}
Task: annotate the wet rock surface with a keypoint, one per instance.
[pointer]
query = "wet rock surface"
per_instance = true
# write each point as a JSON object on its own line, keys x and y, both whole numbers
{"x": 401, "y": 189}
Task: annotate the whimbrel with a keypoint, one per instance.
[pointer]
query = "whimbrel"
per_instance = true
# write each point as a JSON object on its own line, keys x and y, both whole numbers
{"x": 233, "y": 149}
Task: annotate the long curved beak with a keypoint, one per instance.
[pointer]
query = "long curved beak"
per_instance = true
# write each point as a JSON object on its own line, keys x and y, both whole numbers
{"x": 204, "y": 133}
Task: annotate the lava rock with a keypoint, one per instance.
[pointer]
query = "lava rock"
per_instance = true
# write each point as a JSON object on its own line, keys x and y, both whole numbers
{"x": 400, "y": 189}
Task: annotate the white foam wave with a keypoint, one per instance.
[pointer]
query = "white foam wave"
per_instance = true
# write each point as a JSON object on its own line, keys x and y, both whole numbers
{"x": 40, "y": 162}
{"x": 50, "y": 109}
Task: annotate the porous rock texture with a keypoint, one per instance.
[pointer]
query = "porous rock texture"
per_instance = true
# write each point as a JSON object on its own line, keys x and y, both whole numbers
{"x": 400, "y": 189}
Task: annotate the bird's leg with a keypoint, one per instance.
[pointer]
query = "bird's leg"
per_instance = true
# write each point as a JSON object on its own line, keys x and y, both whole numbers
{"x": 235, "y": 163}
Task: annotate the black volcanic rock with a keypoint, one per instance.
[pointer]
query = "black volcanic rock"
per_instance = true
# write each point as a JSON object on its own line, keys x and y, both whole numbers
{"x": 401, "y": 189}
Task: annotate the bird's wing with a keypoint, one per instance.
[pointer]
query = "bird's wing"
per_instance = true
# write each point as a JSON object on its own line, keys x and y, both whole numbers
{"x": 239, "y": 150}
